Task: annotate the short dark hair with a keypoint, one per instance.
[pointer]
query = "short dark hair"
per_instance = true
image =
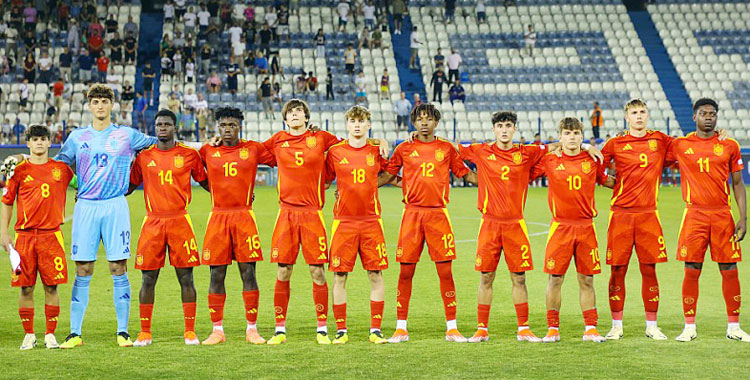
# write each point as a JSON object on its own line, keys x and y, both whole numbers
{"x": 504, "y": 116}
{"x": 705, "y": 101}
{"x": 37, "y": 130}
{"x": 166, "y": 112}
{"x": 232, "y": 112}
{"x": 429, "y": 108}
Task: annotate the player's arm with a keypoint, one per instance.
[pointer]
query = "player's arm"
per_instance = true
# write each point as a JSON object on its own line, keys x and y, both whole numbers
{"x": 204, "y": 185}
{"x": 471, "y": 177}
{"x": 467, "y": 154}
{"x": 136, "y": 177}
{"x": 5, "y": 215}
{"x": 140, "y": 140}
{"x": 386, "y": 178}
{"x": 741, "y": 197}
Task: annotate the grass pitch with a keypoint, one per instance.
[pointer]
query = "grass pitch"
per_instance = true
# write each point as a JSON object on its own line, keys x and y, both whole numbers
{"x": 427, "y": 355}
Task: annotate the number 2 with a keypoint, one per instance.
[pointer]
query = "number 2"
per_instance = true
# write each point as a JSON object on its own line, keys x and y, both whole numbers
{"x": 504, "y": 172}
{"x": 525, "y": 252}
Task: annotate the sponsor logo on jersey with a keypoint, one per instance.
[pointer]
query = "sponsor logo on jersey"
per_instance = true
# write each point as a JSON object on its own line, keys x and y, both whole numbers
{"x": 525, "y": 264}
{"x": 653, "y": 145}
{"x": 179, "y": 161}
{"x": 370, "y": 159}
{"x": 492, "y": 157}
{"x": 311, "y": 142}
{"x": 615, "y": 298}
{"x": 244, "y": 154}
{"x": 151, "y": 164}
{"x": 439, "y": 155}
{"x": 84, "y": 146}
{"x": 718, "y": 149}
{"x": 285, "y": 144}
{"x": 217, "y": 154}
{"x": 517, "y": 158}
{"x": 56, "y": 174}
{"x": 655, "y": 299}
{"x": 689, "y": 151}
{"x": 560, "y": 167}
{"x": 322, "y": 256}
{"x": 586, "y": 167}
{"x": 344, "y": 161}
{"x": 627, "y": 147}
{"x": 59, "y": 276}
{"x": 414, "y": 154}
{"x": 28, "y": 178}
{"x": 192, "y": 259}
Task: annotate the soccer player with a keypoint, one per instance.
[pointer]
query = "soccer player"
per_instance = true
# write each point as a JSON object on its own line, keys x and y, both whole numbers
{"x": 165, "y": 170}
{"x": 231, "y": 231}
{"x": 427, "y": 163}
{"x": 102, "y": 153}
{"x": 39, "y": 185}
{"x": 572, "y": 181}
{"x": 706, "y": 163}
{"x": 357, "y": 225}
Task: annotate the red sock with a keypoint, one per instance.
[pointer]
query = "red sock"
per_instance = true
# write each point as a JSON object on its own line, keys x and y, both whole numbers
{"x": 553, "y": 318}
{"x": 27, "y": 319}
{"x": 51, "y": 313}
{"x": 281, "y": 301}
{"x": 483, "y": 316}
{"x": 376, "y": 314}
{"x": 251, "y": 305}
{"x": 188, "y": 312}
{"x": 320, "y": 297}
{"x": 690, "y": 294}
{"x": 447, "y": 289}
{"x": 339, "y": 314}
{"x": 403, "y": 294}
{"x": 649, "y": 290}
{"x": 590, "y": 317}
{"x": 522, "y": 313}
{"x": 147, "y": 309}
{"x": 617, "y": 291}
{"x": 216, "y": 307}
{"x": 730, "y": 286}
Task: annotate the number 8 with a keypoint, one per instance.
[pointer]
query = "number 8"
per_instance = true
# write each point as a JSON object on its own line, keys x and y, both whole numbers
{"x": 59, "y": 263}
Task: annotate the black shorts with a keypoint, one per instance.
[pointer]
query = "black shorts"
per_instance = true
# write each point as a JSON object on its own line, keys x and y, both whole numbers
{"x": 23, "y": 102}
{"x": 148, "y": 84}
{"x": 397, "y": 17}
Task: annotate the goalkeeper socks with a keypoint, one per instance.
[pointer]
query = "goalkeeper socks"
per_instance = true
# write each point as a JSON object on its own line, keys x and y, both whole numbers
{"x": 216, "y": 308}
{"x": 281, "y": 302}
{"x": 146, "y": 309}
{"x": 51, "y": 312}
{"x": 251, "y": 305}
{"x": 79, "y": 300}
{"x": 649, "y": 291}
{"x": 403, "y": 295}
{"x": 483, "y": 316}
{"x": 617, "y": 291}
{"x": 121, "y": 296}
{"x": 188, "y": 310}
{"x": 320, "y": 297}
{"x": 376, "y": 314}
{"x": 690, "y": 294}
{"x": 522, "y": 314}
{"x": 339, "y": 314}
{"x": 730, "y": 287}
{"x": 447, "y": 289}
{"x": 27, "y": 319}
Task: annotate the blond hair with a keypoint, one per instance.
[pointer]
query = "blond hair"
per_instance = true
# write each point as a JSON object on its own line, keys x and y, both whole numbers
{"x": 570, "y": 124}
{"x": 635, "y": 103}
{"x": 100, "y": 91}
{"x": 358, "y": 112}
{"x": 294, "y": 103}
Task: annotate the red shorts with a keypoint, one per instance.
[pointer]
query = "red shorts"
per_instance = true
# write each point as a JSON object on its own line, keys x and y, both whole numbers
{"x": 295, "y": 227}
{"x": 160, "y": 233}
{"x": 701, "y": 228}
{"x": 508, "y": 236}
{"x": 231, "y": 235}
{"x": 349, "y": 237}
{"x": 42, "y": 252}
{"x": 641, "y": 230}
{"x": 568, "y": 241}
{"x": 432, "y": 225}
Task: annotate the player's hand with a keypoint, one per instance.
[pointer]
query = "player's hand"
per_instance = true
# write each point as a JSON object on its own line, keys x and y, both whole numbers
{"x": 313, "y": 128}
{"x": 5, "y": 241}
{"x": 9, "y": 167}
{"x": 557, "y": 150}
{"x": 596, "y": 154}
{"x": 620, "y": 133}
{"x": 723, "y": 134}
{"x": 739, "y": 230}
{"x": 385, "y": 148}
{"x": 336, "y": 193}
{"x": 214, "y": 141}
{"x": 412, "y": 136}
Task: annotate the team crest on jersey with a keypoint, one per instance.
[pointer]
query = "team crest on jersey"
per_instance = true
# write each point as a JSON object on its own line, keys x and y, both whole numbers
{"x": 683, "y": 251}
{"x": 336, "y": 261}
{"x": 517, "y": 158}
{"x": 311, "y": 142}
{"x": 56, "y": 174}
{"x": 586, "y": 167}
{"x": 550, "y": 264}
{"x": 399, "y": 252}
{"x": 718, "y": 149}
{"x": 275, "y": 252}
{"x": 609, "y": 254}
{"x": 370, "y": 159}
{"x": 206, "y": 255}
{"x": 478, "y": 261}
{"x": 653, "y": 145}
{"x": 244, "y": 154}
{"x": 439, "y": 155}
{"x": 179, "y": 162}
{"x": 139, "y": 260}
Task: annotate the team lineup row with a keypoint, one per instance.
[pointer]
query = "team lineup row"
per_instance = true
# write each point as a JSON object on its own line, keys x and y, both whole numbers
{"x": 309, "y": 160}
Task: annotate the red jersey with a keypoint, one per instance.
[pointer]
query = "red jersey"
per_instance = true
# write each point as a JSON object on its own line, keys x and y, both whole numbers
{"x": 639, "y": 162}
{"x": 503, "y": 176}
{"x": 427, "y": 167}
{"x": 165, "y": 175}
{"x": 572, "y": 183}
{"x": 357, "y": 171}
{"x": 705, "y": 166}
{"x": 41, "y": 191}
{"x": 231, "y": 172}
{"x": 301, "y": 160}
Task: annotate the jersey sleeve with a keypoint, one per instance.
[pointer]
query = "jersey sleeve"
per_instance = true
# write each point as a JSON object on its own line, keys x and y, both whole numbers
{"x": 329, "y": 172}
{"x": 735, "y": 159}
{"x": 265, "y": 155}
{"x": 11, "y": 189}
{"x": 668, "y": 142}
{"x": 68, "y": 174}
{"x": 601, "y": 175}
{"x": 140, "y": 141}
{"x": 383, "y": 163}
{"x": 537, "y": 152}
{"x": 67, "y": 153}
{"x": 268, "y": 144}
{"x": 136, "y": 175}
{"x": 467, "y": 153}
{"x": 330, "y": 140}
{"x": 539, "y": 169}
{"x": 671, "y": 157}
{"x": 608, "y": 153}
{"x": 396, "y": 161}
{"x": 458, "y": 167}
{"x": 198, "y": 171}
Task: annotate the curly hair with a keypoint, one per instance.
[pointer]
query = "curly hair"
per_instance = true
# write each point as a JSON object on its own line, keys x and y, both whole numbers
{"x": 358, "y": 112}
{"x": 428, "y": 108}
{"x": 232, "y": 112}
{"x": 100, "y": 91}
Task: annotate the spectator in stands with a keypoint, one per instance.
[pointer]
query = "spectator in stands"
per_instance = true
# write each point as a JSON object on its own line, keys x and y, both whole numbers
{"x": 437, "y": 81}
{"x": 402, "y": 108}
{"x": 95, "y": 45}
{"x": 204, "y": 18}
{"x": 189, "y": 20}
{"x": 205, "y": 62}
{"x": 417, "y": 100}
{"x": 225, "y": 14}
{"x": 399, "y": 9}
{"x": 23, "y": 94}
{"x": 29, "y": 42}
{"x": 261, "y": 64}
{"x": 364, "y": 39}
{"x": 414, "y": 43}
{"x": 179, "y": 41}
{"x": 148, "y": 75}
{"x": 238, "y": 52}
{"x": 350, "y": 58}
{"x": 16, "y": 16}
{"x": 201, "y": 114}
{"x": 439, "y": 59}
{"x": 272, "y": 19}
{"x": 456, "y": 92}
{"x": 111, "y": 26}
{"x": 49, "y": 104}
{"x": 189, "y": 99}
{"x": 130, "y": 27}
{"x": 329, "y": 86}
{"x": 7, "y": 130}
{"x": 141, "y": 105}
{"x": 302, "y": 83}
{"x": 173, "y": 104}
{"x": 177, "y": 64}
{"x": 320, "y": 44}
{"x": 213, "y": 8}
{"x": 45, "y": 68}
{"x": 294, "y": 7}
{"x": 265, "y": 37}
{"x": 361, "y": 85}
{"x": 29, "y": 67}
{"x": 189, "y": 50}
{"x": 114, "y": 81}
{"x": 384, "y": 82}
{"x": 597, "y": 119}
{"x": 29, "y": 14}
{"x": 5, "y": 66}
{"x": 276, "y": 68}
{"x": 190, "y": 70}
{"x": 282, "y": 27}
{"x": 165, "y": 45}
{"x": 63, "y": 13}
{"x": 168, "y": 9}
{"x": 233, "y": 69}
{"x": 180, "y": 6}
{"x": 187, "y": 124}
{"x": 44, "y": 40}
{"x": 249, "y": 14}
{"x": 58, "y": 88}
{"x": 265, "y": 91}
{"x": 529, "y": 40}
{"x": 312, "y": 82}
{"x": 454, "y": 61}
{"x": 343, "y": 10}
{"x": 481, "y": 10}
{"x": 95, "y": 28}
{"x": 213, "y": 83}
{"x": 131, "y": 45}
{"x": 277, "y": 96}
{"x": 376, "y": 39}
{"x": 450, "y": 11}
{"x": 11, "y": 38}
{"x": 127, "y": 97}
{"x": 166, "y": 66}
{"x": 115, "y": 48}
{"x": 102, "y": 66}
{"x": 85, "y": 63}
